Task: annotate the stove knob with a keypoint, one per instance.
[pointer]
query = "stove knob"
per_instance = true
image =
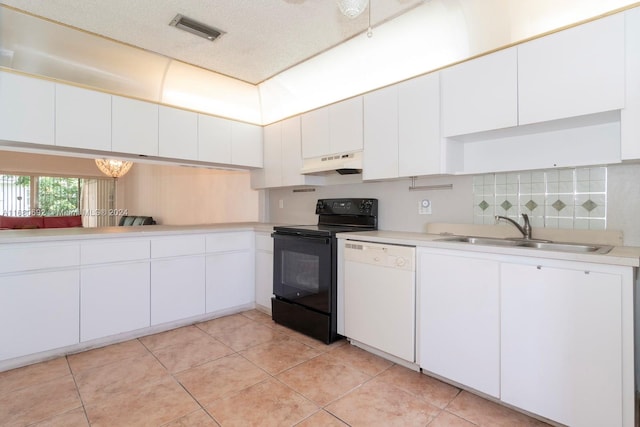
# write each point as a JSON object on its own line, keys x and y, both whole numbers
{"x": 319, "y": 206}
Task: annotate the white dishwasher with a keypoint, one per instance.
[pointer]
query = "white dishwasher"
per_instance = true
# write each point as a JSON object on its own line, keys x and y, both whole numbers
{"x": 380, "y": 297}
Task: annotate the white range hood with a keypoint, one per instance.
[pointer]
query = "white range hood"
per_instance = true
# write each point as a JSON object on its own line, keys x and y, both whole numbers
{"x": 344, "y": 164}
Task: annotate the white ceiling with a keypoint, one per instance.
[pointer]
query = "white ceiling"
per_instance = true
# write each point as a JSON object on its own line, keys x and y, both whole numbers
{"x": 262, "y": 37}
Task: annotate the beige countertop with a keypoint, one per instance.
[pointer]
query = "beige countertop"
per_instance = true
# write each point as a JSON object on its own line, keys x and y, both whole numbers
{"x": 619, "y": 255}
{"x": 79, "y": 233}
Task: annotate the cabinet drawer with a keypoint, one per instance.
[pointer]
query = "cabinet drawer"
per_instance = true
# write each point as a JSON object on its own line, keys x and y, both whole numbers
{"x": 264, "y": 242}
{"x": 226, "y": 242}
{"x": 114, "y": 251}
{"x": 25, "y": 257}
{"x": 177, "y": 246}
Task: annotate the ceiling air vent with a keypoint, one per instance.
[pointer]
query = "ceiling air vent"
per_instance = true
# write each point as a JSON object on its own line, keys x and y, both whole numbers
{"x": 195, "y": 27}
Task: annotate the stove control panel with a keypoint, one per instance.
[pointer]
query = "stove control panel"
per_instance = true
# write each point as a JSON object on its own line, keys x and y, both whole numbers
{"x": 368, "y": 207}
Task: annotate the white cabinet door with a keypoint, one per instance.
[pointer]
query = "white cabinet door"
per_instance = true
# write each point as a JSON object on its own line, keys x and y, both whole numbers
{"x": 214, "y": 139}
{"x": 134, "y": 126}
{"x": 246, "y": 144}
{"x": 459, "y": 312}
{"x": 380, "y": 154}
{"x": 630, "y": 125}
{"x": 292, "y": 154}
{"x": 177, "y": 288}
{"x": 481, "y": 94}
{"x": 114, "y": 299}
{"x": 230, "y": 280}
{"x": 83, "y": 118}
{"x": 178, "y": 134}
{"x": 561, "y": 344}
{"x": 346, "y": 126}
{"x": 419, "y": 150}
{"x": 38, "y": 312}
{"x": 573, "y": 72}
{"x": 264, "y": 270}
{"x": 272, "y": 168}
{"x": 315, "y": 133}
{"x": 27, "y": 109}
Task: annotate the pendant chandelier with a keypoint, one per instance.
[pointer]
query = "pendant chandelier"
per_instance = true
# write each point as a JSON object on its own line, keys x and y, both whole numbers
{"x": 352, "y": 8}
{"x": 113, "y": 167}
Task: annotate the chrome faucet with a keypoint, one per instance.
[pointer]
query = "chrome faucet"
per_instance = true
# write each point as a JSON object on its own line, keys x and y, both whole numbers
{"x": 525, "y": 230}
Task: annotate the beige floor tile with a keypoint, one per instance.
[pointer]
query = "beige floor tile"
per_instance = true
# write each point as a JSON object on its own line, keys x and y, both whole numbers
{"x": 380, "y": 404}
{"x": 361, "y": 360}
{"x": 198, "y": 418}
{"x": 153, "y": 404}
{"x": 311, "y": 342}
{"x": 33, "y": 374}
{"x": 446, "y": 419}
{"x": 105, "y": 355}
{"x": 105, "y": 381}
{"x": 321, "y": 419}
{"x": 248, "y": 336}
{"x": 280, "y": 354}
{"x": 269, "y": 403}
{"x": 425, "y": 387}
{"x": 179, "y": 357}
{"x": 73, "y": 418}
{"x": 39, "y": 402}
{"x": 323, "y": 379}
{"x": 173, "y": 337}
{"x": 224, "y": 325}
{"x": 219, "y": 378}
{"x": 258, "y": 316}
{"x": 486, "y": 413}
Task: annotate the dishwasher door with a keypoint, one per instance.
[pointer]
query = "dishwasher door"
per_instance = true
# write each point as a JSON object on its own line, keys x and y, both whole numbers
{"x": 380, "y": 297}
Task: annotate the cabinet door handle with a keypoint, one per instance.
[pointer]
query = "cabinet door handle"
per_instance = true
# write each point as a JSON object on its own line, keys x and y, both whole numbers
{"x": 539, "y": 267}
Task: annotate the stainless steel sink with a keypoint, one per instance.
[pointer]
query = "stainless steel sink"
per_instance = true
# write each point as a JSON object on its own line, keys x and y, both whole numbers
{"x": 533, "y": 244}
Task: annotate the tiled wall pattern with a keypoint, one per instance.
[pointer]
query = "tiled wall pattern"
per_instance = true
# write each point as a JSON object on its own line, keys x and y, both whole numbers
{"x": 557, "y": 198}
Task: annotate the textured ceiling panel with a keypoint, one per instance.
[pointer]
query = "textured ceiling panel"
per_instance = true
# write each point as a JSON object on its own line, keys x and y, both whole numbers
{"x": 262, "y": 37}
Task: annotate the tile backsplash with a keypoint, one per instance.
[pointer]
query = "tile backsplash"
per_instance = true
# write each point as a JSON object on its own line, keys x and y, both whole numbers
{"x": 556, "y": 198}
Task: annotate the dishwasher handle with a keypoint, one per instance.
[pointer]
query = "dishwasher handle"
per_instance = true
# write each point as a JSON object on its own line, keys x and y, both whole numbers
{"x": 385, "y": 255}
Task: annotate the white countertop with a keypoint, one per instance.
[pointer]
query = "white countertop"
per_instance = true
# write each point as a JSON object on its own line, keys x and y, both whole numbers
{"x": 619, "y": 255}
{"x": 79, "y": 233}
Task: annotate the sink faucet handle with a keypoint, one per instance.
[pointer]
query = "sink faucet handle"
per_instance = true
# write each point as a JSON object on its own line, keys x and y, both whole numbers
{"x": 527, "y": 226}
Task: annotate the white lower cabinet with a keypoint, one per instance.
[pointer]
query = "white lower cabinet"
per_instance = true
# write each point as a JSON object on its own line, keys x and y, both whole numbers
{"x": 264, "y": 270}
{"x": 177, "y": 288}
{"x": 459, "y": 312}
{"x": 114, "y": 298}
{"x": 38, "y": 312}
{"x": 562, "y": 344}
{"x": 230, "y": 270}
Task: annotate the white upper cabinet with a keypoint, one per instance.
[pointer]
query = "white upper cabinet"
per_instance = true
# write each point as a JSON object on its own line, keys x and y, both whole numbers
{"x": 380, "y": 155}
{"x": 574, "y": 72}
{"x": 134, "y": 126}
{"x": 402, "y": 130}
{"x": 345, "y": 126}
{"x": 630, "y": 129}
{"x": 481, "y": 94}
{"x": 315, "y": 133}
{"x": 246, "y": 144}
{"x": 214, "y": 139}
{"x": 335, "y": 129}
{"x": 83, "y": 118}
{"x": 27, "y": 109}
{"x": 419, "y": 150}
{"x": 282, "y": 157}
{"x": 178, "y": 134}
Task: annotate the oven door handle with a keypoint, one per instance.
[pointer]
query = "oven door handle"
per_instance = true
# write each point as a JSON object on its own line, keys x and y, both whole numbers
{"x": 320, "y": 240}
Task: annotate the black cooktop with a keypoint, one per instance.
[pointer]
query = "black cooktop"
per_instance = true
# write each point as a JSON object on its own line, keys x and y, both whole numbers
{"x": 317, "y": 230}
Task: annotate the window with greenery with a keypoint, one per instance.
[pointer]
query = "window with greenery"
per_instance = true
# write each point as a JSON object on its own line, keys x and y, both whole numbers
{"x": 22, "y": 195}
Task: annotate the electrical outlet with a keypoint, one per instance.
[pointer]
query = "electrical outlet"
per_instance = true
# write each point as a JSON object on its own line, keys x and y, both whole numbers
{"x": 281, "y": 204}
{"x": 424, "y": 207}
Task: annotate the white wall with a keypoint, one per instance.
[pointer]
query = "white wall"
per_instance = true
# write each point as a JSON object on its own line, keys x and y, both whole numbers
{"x": 399, "y": 206}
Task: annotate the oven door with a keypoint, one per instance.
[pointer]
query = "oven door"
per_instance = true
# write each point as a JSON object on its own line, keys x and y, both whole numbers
{"x": 302, "y": 268}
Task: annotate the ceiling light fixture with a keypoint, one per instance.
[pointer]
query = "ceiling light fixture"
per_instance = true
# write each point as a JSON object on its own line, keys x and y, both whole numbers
{"x": 195, "y": 27}
{"x": 113, "y": 167}
{"x": 352, "y": 8}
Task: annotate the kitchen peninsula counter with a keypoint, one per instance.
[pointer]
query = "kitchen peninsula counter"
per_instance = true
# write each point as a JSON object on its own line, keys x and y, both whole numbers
{"x": 81, "y": 233}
